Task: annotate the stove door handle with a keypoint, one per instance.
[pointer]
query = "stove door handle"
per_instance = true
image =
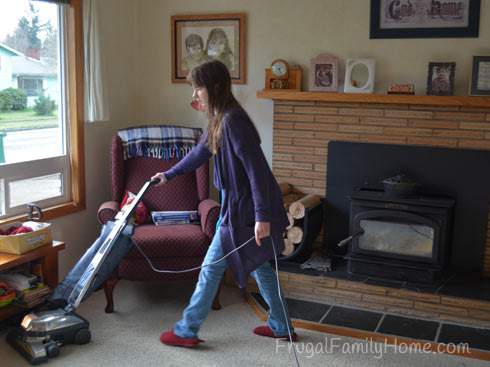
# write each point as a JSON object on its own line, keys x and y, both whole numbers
{"x": 348, "y": 239}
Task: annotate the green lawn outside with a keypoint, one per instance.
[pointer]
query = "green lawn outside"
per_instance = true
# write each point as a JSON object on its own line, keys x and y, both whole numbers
{"x": 25, "y": 120}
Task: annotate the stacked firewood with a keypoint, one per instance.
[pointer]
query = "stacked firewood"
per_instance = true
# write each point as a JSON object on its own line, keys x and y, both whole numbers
{"x": 295, "y": 203}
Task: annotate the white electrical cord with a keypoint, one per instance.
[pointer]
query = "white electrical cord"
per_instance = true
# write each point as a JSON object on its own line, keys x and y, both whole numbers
{"x": 224, "y": 257}
{"x": 282, "y": 303}
{"x": 191, "y": 269}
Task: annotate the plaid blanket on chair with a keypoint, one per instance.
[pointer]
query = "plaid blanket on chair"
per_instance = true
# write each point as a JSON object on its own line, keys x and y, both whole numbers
{"x": 163, "y": 142}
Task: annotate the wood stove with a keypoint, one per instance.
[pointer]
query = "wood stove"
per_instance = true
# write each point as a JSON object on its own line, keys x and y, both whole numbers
{"x": 402, "y": 238}
{"x": 459, "y": 174}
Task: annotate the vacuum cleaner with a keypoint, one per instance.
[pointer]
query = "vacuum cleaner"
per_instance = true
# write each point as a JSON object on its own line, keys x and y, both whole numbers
{"x": 41, "y": 334}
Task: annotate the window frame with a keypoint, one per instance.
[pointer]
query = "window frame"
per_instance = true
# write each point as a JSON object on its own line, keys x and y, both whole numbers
{"x": 75, "y": 118}
{"x": 37, "y": 91}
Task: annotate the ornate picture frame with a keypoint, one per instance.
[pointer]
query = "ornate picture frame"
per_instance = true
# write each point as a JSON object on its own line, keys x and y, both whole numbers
{"x": 324, "y": 73}
{"x": 424, "y": 18}
{"x": 200, "y": 38}
{"x": 480, "y": 76}
{"x": 440, "y": 78}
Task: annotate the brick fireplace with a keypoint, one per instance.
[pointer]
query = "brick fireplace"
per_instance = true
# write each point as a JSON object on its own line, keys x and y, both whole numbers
{"x": 305, "y": 122}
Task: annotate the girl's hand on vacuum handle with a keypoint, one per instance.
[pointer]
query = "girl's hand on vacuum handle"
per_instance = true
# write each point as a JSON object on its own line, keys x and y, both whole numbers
{"x": 161, "y": 177}
{"x": 262, "y": 230}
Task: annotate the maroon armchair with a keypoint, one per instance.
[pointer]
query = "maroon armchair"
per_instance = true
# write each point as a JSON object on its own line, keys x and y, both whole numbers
{"x": 173, "y": 247}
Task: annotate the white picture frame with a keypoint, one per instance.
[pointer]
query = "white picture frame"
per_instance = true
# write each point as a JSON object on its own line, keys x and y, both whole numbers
{"x": 324, "y": 73}
{"x": 353, "y": 67}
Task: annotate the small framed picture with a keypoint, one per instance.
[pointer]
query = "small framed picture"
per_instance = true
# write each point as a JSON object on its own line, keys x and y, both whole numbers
{"x": 324, "y": 73}
{"x": 440, "y": 78}
{"x": 480, "y": 76}
{"x": 200, "y": 38}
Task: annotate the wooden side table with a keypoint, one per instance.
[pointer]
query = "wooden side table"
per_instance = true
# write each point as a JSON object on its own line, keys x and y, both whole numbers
{"x": 48, "y": 254}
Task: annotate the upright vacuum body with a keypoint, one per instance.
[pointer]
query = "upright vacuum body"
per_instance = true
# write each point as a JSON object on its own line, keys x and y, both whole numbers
{"x": 41, "y": 334}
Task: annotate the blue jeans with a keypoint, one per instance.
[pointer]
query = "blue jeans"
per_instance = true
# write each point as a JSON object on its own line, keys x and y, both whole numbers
{"x": 207, "y": 286}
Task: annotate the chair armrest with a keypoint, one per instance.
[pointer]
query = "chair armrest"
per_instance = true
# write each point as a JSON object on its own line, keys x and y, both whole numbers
{"x": 107, "y": 211}
{"x": 209, "y": 212}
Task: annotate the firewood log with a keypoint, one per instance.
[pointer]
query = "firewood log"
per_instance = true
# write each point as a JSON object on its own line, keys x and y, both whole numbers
{"x": 288, "y": 199}
{"x": 285, "y": 188}
{"x": 289, "y": 247}
{"x": 298, "y": 208}
{"x": 295, "y": 234}
{"x": 291, "y": 221}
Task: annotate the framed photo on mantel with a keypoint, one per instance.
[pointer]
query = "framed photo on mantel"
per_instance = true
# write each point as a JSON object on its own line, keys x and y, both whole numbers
{"x": 440, "y": 78}
{"x": 480, "y": 77}
{"x": 324, "y": 74}
{"x": 424, "y": 18}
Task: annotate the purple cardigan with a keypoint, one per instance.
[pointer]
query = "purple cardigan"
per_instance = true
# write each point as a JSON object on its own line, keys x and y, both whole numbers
{"x": 251, "y": 192}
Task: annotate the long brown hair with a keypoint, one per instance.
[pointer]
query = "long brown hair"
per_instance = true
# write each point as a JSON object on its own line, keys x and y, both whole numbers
{"x": 214, "y": 76}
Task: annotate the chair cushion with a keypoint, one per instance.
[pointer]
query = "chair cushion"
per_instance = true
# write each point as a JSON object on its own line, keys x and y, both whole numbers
{"x": 181, "y": 240}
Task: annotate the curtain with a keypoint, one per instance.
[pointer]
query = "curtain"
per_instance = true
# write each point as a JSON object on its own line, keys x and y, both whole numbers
{"x": 96, "y": 100}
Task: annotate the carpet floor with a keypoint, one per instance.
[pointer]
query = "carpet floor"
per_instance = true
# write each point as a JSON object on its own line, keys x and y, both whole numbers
{"x": 129, "y": 337}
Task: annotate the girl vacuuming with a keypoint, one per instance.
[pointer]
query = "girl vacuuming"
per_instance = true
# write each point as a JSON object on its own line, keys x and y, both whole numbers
{"x": 251, "y": 206}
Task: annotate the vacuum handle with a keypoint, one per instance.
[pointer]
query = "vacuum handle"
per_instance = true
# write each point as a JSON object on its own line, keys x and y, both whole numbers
{"x": 154, "y": 181}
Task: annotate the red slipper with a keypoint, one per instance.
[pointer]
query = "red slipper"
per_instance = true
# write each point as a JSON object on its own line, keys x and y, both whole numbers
{"x": 169, "y": 338}
{"x": 265, "y": 330}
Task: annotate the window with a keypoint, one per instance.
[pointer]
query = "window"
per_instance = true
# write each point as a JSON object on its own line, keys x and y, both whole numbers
{"x": 41, "y": 131}
{"x": 31, "y": 86}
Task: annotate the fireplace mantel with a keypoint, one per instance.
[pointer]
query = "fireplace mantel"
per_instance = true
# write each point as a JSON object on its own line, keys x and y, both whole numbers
{"x": 446, "y": 101}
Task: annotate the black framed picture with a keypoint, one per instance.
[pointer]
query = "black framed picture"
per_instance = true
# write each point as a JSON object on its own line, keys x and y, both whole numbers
{"x": 440, "y": 79}
{"x": 424, "y": 18}
{"x": 480, "y": 76}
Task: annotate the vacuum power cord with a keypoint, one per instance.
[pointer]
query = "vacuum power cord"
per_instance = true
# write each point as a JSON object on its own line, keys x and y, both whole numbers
{"x": 283, "y": 307}
{"x": 224, "y": 257}
{"x": 191, "y": 269}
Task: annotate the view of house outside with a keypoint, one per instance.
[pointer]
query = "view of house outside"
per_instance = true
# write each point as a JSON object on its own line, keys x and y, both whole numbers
{"x": 30, "y": 97}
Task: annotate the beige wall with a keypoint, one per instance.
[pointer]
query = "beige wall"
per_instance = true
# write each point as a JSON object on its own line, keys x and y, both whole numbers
{"x": 296, "y": 31}
{"x": 136, "y": 47}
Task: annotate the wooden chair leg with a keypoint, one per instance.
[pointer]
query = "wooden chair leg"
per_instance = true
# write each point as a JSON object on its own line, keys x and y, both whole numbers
{"x": 216, "y": 305}
{"x": 109, "y": 286}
